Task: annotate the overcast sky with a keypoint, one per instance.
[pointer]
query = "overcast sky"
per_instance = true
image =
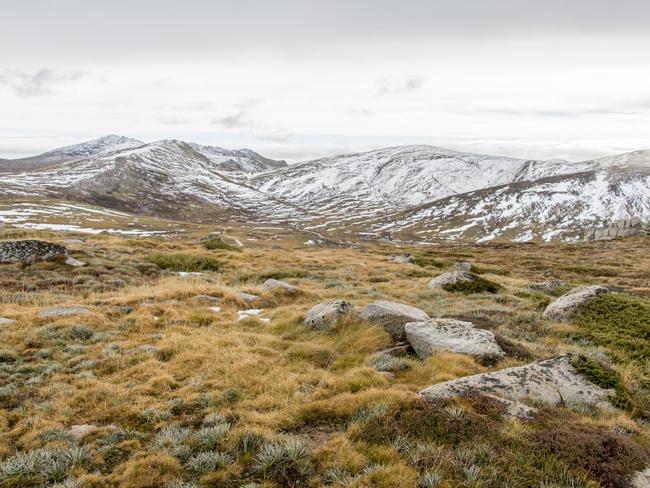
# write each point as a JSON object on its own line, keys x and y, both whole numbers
{"x": 297, "y": 79}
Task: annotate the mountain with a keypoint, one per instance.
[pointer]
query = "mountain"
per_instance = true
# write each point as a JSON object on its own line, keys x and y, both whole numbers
{"x": 96, "y": 147}
{"x": 410, "y": 192}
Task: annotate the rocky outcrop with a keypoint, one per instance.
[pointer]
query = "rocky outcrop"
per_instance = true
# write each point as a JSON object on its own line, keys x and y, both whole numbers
{"x": 548, "y": 286}
{"x": 393, "y": 316}
{"x": 326, "y": 315}
{"x": 452, "y": 278}
{"x": 277, "y": 284}
{"x": 566, "y": 306}
{"x": 30, "y": 251}
{"x": 430, "y": 337}
{"x": 551, "y": 381}
{"x": 621, "y": 228}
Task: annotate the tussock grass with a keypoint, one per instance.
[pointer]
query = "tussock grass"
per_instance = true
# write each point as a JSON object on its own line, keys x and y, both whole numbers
{"x": 184, "y": 262}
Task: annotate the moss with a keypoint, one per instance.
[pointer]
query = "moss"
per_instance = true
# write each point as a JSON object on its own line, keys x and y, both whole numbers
{"x": 619, "y": 322}
{"x": 217, "y": 244}
{"x": 184, "y": 262}
{"x": 604, "y": 377}
{"x": 480, "y": 285}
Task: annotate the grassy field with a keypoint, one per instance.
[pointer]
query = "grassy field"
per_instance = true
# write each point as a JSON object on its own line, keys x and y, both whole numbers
{"x": 173, "y": 392}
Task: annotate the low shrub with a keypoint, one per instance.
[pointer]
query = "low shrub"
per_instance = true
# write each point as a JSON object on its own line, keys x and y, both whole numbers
{"x": 217, "y": 244}
{"x": 184, "y": 262}
{"x": 604, "y": 377}
{"x": 480, "y": 285}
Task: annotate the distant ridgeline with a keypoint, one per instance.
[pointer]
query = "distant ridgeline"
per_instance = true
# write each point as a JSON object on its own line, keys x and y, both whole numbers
{"x": 621, "y": 228}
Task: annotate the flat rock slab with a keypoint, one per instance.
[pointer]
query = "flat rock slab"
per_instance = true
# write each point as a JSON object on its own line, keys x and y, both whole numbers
{"x": 392, "y": 316}
{"x": 205, "y": 299}
{"x": 246, "y": 297}
{"x": 565, "y": 307}
{"x": 277, "y": 284}
{"x": 73, "y": 241}
{"x": 641, "y": 479}
{"x": 74, "y": 262}
{"x": 29, "y": 251}
{"x": 430, "y": 337}
{"x": 551, "y": 381}
{"x": 452, "y": 278}
{"x": 6, "y": 321}
{"x": 62, "y": 311}
{"x": 326, "y": 315}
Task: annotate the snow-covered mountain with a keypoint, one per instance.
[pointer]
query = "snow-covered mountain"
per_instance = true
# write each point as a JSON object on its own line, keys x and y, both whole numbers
{"x": 409, "y": 192}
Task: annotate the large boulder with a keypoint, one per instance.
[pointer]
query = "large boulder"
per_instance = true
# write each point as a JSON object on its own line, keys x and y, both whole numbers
{"x": 551, "y": 381}
{"x": 279, "y": 285}
{"x": 566, "y": 306}
{"x": 393, "y": 316}
{"x": 430, "y": 337}
{"x": 326, "y": 315}
{"x": 30, "y": 251}
{"x": 452, "y": 278}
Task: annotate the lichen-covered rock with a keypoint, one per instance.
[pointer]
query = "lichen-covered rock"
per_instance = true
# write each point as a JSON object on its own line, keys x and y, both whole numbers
{"x": 551, "y": 381}
{"x": 463, "y": 266}
{"x": 548, "y": 286}
{"x": 393, "y": 316}
{"x": 30, "y": 251}
{"x": 205, "y": 299}
{"x": 62, "y": 311}
{"x": 277, "y": 284}
{"x": 457, "y": 336}
{"x": 452, "y": 278}
{"x": 246, "y": 297}
{"x": 641, "y": 479}
{"x": 326, "y": 315}
{"x": 566, "y": 306}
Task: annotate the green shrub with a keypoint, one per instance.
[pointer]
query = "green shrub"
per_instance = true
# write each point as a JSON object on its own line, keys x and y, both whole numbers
{"x": 604, "y": 377}
{"x": 620, "y": 322}
{"x": 184, "y": 262}
{"x": 494, "y": 271}
{"x": 217, "y": 244}
{"x": 426, "y": 262}
{"x": 480, "y": 285}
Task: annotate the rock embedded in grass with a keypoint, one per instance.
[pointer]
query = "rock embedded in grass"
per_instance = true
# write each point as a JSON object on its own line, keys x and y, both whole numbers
{"x": 6, "y": 321}
{"x": 452, "y": 278}
{"x": 450, "y": 335}
{"x": 392, "y": 316}
{"x": 30, "y": 251}
{"x": 246, "y": 297}
{"x": 272, "y": 284}
{"x": 326, "y": 315}
{"x": 463, "y": 282}
{"x": 205, "y": 299}
{"x": 464, "y": 266}
{"x": 551, "y": 381}
{"x": 641, "y": 479}
{"x": 63, "y": 311}
{"x": 566, "y": 306}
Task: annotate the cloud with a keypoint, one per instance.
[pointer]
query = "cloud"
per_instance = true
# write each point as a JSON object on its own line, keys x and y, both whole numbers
{"x": 233, "y": 121}
{"x": 38, "y": 83}
{"x": 361, "y": 112}
{"x": 241, "y": 120}
{"x": 398, "y": 86}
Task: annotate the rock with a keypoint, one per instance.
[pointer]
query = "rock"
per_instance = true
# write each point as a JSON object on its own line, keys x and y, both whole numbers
{"x": 6, "y": 321}
{"x": 402, "y": 258}
{"x": 245, "y": 314}
{"x": 277, "y": 284}
{"x": 63, "y": 311}
{"x": 246, "y": 297}
{"x": 452, "y": 278}
{"x": 30, "y": 251}
{"x": 641, "y": 479}
{"x": 326, "y": 315}
{"x": 392, "y": 316}
{"x": 551, "y": 381}
{"x": 463, "y": 266}
{"x": 205, "y": 299}
{"x": 74, "y": 262}
{"x": 621, "y": 228}
{"x": 73, "y": 241}
{"x": 548, "y": 286}
{"x": 450, "y": 335}
{"x": 147, "y": 348}
{"x": 82, "y": 430}
{"x": 566, "y": 306}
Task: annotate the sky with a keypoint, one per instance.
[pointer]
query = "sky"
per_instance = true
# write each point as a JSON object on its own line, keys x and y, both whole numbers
{"x": 300, "y": 79}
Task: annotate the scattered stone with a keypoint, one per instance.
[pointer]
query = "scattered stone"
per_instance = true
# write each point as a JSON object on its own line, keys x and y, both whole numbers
{"x": 548, "y": 286}
{"x": 465, "y": 266}
{"x": 82, "y": 430}
{"x": 215, "y": 309}
{"x": 74, "y": 262}
{"x": 641, "y": 479}
{"x": 277, "y": 284}
{"x": 402, "y": 258}
{"x": 246, "y": 297}
{"x": 552, "y": 381}
{"x": 205, "y": 299}
{"x": 392, "y": 316}
{"x": 189, "y": 274}
{"x": 30, "y": 251}
{"x": 73, "y": 241}
{"x": 254, "y": 312}
{"x": 6, "y": 321}
{"x": 326, "y": 315}
{"x": 451, "y": 335}
{"x": 565, "y": 307}
{"x": 452, "y": 278}
{"x": 63, "y": 311}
